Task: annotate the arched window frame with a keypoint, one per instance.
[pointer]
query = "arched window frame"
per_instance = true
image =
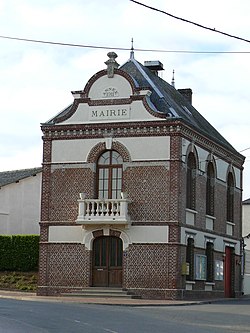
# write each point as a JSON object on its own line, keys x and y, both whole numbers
{"x": 109, "y": 175}
{"x": 210, "y": 184}
{"x": 230, "y": 196}
{"x": 191, "y": 181}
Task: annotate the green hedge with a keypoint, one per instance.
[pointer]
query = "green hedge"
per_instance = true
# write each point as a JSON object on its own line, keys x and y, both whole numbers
{"x": 19, "y": 252}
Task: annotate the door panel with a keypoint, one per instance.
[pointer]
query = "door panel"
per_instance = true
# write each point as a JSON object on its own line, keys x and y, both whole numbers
{"x": 107, "y": 262}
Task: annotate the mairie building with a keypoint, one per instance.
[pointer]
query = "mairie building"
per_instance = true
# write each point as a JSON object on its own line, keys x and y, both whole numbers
{"x": 139, "y": 192}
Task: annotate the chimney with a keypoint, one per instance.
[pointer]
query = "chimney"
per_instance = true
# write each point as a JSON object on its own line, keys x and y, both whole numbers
{"x": 187, "y": 93}
{"x": 154, "y": 66}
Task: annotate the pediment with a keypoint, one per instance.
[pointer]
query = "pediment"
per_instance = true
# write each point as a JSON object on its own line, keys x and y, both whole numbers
{"x": 111, "y": 99}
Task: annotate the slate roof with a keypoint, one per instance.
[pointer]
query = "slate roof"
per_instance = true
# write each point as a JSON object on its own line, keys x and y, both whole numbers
{"x": 170, "y": 101}
{"x": 9, "y": 177}
{"x": 246, "y": 202}
{"x": 166, "y": 99}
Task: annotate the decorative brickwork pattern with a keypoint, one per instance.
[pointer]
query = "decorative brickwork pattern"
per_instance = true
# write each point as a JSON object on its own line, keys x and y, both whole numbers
{"x": 122, "y": 150}
{"x": 115, "y": 233}
{"x": 43, "y": 233}
{"x": 150, "y": 266}
{"x": 97, "y": 233}
{"x": 175, "y": 187}
{"x": 66, "y": 184}
{"x": 174, "y": 233}
{"x": 68, "y": 265}
{"x": 42, "y": 264}
{"x": 157, "y": 194}
{"x": 149, "y": 191}
{"x": 96, "y": 151}
{"x": 46, "y": 180}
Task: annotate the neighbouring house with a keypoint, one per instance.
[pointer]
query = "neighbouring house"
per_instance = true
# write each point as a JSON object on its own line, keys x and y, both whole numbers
{"x": 20, "y": 201}
{"x": 246, "y": 244}
{"x": 139, "y": 191}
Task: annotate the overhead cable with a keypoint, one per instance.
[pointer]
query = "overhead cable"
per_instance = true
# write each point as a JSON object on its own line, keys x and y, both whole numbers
{"x": 188, "y": 21}
{"x": 120, "y": 48}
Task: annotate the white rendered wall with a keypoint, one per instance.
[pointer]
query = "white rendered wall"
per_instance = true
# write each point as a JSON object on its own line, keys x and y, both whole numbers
{"x": 140, "y": 149}
{"x": 134, "y": 234}
{"x": 20, "y": 206}
{"x": 66, "y": 234}
{"x": 116, "y": 87}
{"x": 118, "y": 82}
{"x": 200, "y": 239}
{"x": 245, "y": 220}
{"x": 150, "y": 234}
{"x": 110, "y": 113}
{"x": 245, "y": 232}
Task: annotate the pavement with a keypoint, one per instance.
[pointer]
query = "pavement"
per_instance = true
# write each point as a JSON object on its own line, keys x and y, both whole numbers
{"x": 30, "y": 296}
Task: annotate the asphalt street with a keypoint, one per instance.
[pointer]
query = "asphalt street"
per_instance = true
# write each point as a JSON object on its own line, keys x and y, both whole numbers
{"x": 33, "y": 316}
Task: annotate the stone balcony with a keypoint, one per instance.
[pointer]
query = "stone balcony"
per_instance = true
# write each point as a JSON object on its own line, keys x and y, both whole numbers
{"x": 102, "y": 211}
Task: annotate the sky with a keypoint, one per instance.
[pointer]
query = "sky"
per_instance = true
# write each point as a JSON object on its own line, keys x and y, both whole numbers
{"x": 36, "y": 79}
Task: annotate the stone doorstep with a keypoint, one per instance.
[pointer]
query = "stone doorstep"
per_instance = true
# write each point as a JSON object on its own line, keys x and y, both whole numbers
{"x": 100, "y": 292}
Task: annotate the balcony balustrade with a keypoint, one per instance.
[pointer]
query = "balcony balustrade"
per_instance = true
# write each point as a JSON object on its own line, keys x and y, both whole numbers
{"x": 102, "y": 211}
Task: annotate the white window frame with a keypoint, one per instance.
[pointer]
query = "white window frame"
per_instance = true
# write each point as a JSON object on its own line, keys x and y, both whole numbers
{"x": 219, "y": 270}
{"x": 200, "y": 267}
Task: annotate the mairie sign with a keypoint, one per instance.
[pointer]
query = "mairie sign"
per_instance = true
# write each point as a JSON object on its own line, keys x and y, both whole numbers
{"x": 109, "y": 113}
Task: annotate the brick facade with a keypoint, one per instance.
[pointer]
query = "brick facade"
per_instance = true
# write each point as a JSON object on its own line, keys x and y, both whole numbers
{"x": 152, "y": 261}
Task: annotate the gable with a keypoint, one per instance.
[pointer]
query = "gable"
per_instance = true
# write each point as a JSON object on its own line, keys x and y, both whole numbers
{"x": 109, "y": 99}
{"x": 106, "y": 88}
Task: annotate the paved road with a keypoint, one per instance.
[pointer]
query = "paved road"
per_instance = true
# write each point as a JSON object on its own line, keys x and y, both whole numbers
{"x": 39, "y": 317}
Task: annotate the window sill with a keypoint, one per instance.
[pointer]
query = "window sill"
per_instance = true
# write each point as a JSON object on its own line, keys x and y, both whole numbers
{"x": 189, "y": 285}
{"x": 209, "y": 283}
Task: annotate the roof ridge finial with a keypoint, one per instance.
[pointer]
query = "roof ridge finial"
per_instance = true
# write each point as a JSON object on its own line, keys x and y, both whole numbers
{"x": 173, "y": 83}
{"x": 132, "y": 49}
{"x": 111, "y": 63}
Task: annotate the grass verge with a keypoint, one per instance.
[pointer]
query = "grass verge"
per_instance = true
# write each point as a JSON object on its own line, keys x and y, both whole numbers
{"x": 25, "y": 281}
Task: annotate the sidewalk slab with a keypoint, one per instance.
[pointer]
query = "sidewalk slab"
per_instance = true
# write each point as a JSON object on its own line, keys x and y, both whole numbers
{"x": 29, "y": 296}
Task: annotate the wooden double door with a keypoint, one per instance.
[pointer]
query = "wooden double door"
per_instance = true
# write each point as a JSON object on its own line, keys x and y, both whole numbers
{"x": 107, "y": 262}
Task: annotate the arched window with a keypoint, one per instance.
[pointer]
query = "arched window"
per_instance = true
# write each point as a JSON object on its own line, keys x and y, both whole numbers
{"x": 109, "y": 171}
{"x": 210, "y": 189}
{"x": 230, "y": 197}
{"x": 191, "y": 182}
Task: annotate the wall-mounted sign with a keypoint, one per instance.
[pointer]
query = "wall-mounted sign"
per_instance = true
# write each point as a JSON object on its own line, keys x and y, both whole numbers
{"x": 109, "y": 113}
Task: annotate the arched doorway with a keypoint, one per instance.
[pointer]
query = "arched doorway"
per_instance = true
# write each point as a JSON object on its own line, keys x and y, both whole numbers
{"x": 107, "y": 262}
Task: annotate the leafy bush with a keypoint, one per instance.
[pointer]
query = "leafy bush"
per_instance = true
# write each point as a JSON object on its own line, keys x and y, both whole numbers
{"x": 19, "y": 252}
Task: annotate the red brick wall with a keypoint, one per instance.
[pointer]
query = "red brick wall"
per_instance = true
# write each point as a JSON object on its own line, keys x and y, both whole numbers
{"x": 148, "y": 189}
{"x": 150, "y": 266}
{"x": 66, "y": 184}
{"x": 63, "y": 265}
